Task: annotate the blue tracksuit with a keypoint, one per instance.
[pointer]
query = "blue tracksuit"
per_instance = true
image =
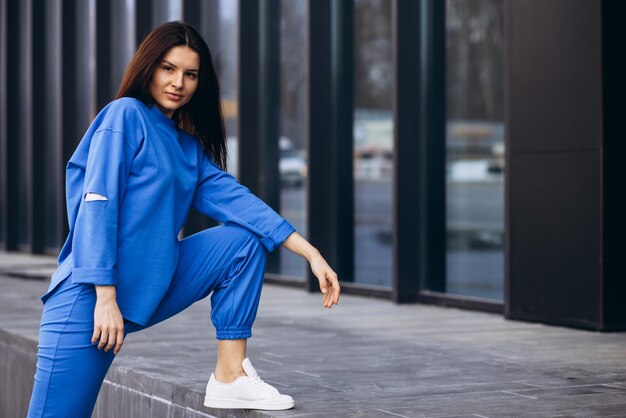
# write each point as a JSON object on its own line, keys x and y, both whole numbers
{"x": 146, "y": 174}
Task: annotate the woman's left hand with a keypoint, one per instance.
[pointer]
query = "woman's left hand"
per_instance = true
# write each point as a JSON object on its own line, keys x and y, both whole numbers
{"x": 329, "y": 283}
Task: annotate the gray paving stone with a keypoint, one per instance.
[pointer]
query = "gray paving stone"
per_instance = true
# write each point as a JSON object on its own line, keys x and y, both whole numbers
{"x": 363, "y": 358}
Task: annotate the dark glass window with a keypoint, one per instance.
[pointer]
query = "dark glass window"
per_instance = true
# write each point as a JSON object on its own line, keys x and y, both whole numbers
{"x": 226, "y": 62}
{"x": 373, "y": 142}
{"x": 293, "y": 160}
{"x": 475, "y": 148}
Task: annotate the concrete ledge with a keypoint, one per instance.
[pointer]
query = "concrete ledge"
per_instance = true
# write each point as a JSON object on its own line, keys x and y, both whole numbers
{"x": 125, "y": 392}
{"x": 17, "y": 368}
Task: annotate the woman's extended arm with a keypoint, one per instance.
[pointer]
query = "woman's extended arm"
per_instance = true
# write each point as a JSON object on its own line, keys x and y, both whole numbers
{"x": 329, "y": 284}
{"x": 219, "y": 195}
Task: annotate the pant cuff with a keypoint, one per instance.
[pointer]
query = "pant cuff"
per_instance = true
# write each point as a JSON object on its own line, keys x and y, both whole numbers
{"x": 233, "y": 333}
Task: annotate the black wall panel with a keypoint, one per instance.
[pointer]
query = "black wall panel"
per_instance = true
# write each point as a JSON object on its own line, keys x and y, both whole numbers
{"x": 555, "y": 233}
{"x": 3, "y": 124}
{"x": 613, "y": 173}
{"x": 22, "y": 196}
{"x": 564, "y": 180}
{"x": 554, "y": 59}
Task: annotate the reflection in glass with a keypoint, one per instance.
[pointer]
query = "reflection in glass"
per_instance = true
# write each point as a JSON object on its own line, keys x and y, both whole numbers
{"x": 475, "y": 148}
{"x": 292, "y": 141}
{"x": 225, "y": 60}
{"x": 373, "y": 142}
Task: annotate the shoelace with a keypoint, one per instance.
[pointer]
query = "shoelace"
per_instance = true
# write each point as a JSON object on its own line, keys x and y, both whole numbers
{"x": 258, "y": 381}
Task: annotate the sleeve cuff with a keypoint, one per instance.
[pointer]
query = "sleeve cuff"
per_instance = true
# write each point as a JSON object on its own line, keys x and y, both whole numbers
{"x": 95, "y": 276}
{"x": 278, "y": 235}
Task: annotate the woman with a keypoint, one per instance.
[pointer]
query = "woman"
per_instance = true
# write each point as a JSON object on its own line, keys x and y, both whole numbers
{"x": 149, "y": 155}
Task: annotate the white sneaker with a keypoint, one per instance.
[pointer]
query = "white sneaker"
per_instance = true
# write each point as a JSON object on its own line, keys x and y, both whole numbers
{"x": 246, "y": 392}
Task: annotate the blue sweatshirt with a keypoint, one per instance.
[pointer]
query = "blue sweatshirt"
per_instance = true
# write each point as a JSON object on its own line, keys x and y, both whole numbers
{"x": 146, "y": 174}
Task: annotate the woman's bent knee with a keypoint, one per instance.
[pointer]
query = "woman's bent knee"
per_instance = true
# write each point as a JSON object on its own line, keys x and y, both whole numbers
{"x": 228, "y": 236}
{"x": 240, "y": 233}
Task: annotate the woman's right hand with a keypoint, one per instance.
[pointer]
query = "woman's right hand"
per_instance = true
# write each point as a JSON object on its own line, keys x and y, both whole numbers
{"x": 108, "y": 321}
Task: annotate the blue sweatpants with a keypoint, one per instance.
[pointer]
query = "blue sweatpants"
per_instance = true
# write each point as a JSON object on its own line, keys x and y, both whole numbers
{"x": 227, "y": 260}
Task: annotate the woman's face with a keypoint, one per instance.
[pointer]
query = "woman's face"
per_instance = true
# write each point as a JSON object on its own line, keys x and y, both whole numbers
{"x": 175, "y": 79}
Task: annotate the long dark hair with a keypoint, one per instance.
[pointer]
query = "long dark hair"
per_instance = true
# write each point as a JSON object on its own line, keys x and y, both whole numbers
{"x": 202, "y": 115}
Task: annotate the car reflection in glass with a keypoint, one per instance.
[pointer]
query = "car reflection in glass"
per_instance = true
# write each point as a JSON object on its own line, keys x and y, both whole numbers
{"x": 292, "y": 164}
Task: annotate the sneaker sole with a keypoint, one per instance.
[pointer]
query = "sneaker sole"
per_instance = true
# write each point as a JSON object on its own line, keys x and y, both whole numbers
{"x": 239, "y": 404}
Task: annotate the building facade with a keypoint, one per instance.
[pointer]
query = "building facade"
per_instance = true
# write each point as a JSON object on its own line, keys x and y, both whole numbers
{"x": 457, "y": 152}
